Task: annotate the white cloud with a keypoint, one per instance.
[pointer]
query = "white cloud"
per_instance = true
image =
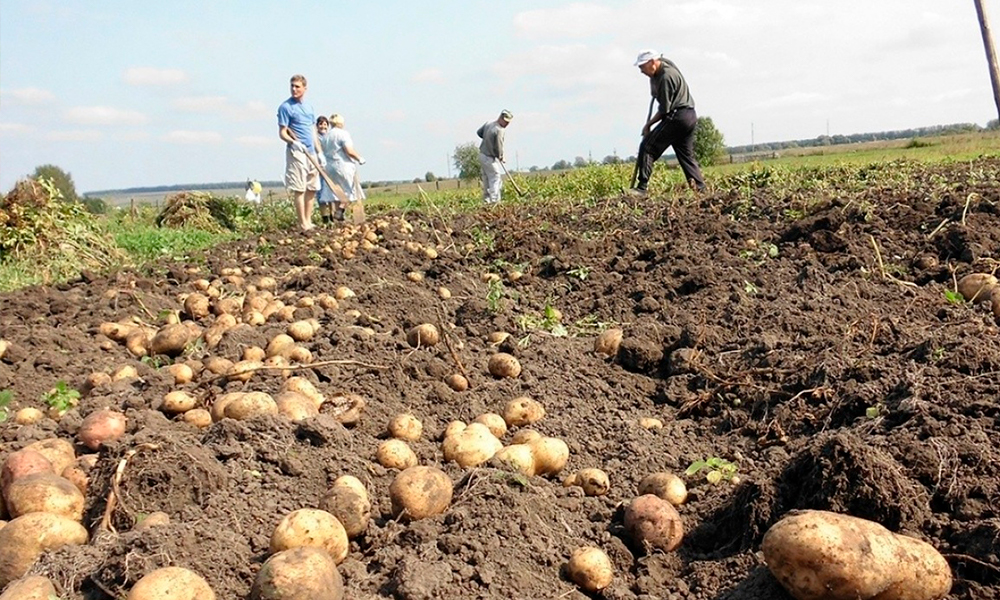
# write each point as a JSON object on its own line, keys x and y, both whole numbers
{"x": 13, "y": 129}
{"x": 27, "y": 96}
{"x": 74, "y": 135}
{"x": 428, "y": 76}
{"x": 193, "y": 137}
{"x": 104, "y": 115}
{"x": 395, "y": 116}
{"x": 202, "y": 104}
{"x": 153, "y": 76}
{"x": 577, "y": 20}
{"x": 258, "y": 141}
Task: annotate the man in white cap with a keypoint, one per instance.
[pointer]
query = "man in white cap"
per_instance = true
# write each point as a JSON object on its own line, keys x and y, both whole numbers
{"x": 674, "y": 120}
{"x": 491, "y": 156}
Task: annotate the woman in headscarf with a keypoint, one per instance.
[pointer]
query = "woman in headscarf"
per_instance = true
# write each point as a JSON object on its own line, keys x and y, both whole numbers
{"x": 342, "y": 162}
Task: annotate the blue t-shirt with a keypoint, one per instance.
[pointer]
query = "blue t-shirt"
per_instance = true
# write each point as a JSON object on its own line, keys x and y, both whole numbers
{"x": 299, "y": 117}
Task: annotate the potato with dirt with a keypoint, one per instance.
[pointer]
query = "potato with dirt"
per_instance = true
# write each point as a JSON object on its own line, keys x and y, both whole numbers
{"x": 405, "y": 426}
{"x": 27, "y": 537}
{"x": 171, "y": 583}
{"x": 101, "y": 427}
{"x": 44, "y": 492}
{"x": 30, "y": 587}
{"x": 551, "y": 455}
{"x": 58, "y": 451}
{"x": 522, "y": 411}
{"x": 472, "y": 446}
{"x": 313, "y": 528}
{"x": 665, "y": 485}
{"x": 590, "y": 568}
{"x": 23, "y": 463}
{"x": 653, "y": 523}
{"x": 395, "y": 454}
{"x": 347, "y": 499}
{"x": 420, "y": 492}
{"x": 298, "y": 574}
{"x": 818, "y": 554}
{"x": 170, "y": 340}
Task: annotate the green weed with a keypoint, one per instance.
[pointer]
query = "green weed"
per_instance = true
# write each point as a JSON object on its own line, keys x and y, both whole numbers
{"x": 716, "y": 469}
{"x": 6, "y": 397}
{"x": 61, "y": 397}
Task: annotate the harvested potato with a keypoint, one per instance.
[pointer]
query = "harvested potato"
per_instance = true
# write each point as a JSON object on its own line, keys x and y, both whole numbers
{"x": 494, "y": 422}
{"x": 419, "y": 492}
{"x": 590, "y": 568}
{"x": 44, "y": 492}
{"x": 243, "y": 370}
{"x": 137, "y": 342}
{"x": 976, "y": 287}
{"x": 96, "y": 380}
{"x": 405, "y": 427}
{"x": 820, "y": 554}
{"x": 178, "y": 401}
{"x": 526, "y": 436}
{"x": 457, "y": 382}
{"x": 298, "y": 574}
{"x": 496, "y": 338}
{"x": 25, "y": 538}
{"x": 453, "y": 428}
{"x": 350, "y": 409}
{"x": 254, "y": 353}
{"x": 351, "y": 506}
{"x": 300, "y": 354}
{"x": 594, "y": 482}
{"x": 652, "y": 522}
{"x": 23, "y": 463}
{"x": 170, "y": 340}
{"x": 504, "y": 365}
{"x": 154, "y": 519}
{"x": 523, "y": 411}
{"x": 280, "y": 345}
{"x": 425, "y": 334}
{"x": 313, "y": 528}
{"x": 4, "y": 345}
{"x": 199, "y": 417}
{"x": 608, "y": 342}
{"x": 301, "y": 331}
{"x": 124, "y": 372}
{"x": 100, "y": 427}
{"x": 295, "y": 407}
{"x": 551, "y": 455}
{"x": 171, "y": 583}
{"x": 395, "y": 454}
{"x": 197, "y": 306}
{"x": 218, "y": 365}
{"x": 250, "y": 405}
{"x": 305, "y": 387}
{"x": 472, "y": 446}
{"x": 31, "y": 587}
{"x": 517, "y": 457}
{"x": 182, "y": 373}
{"x": 28, "y": 416}
{"x": 60, "y": 452}
{"x": 665, "y": 485}
{"x": 79, "y": 472}
{"x": 650, "y": 423}
{"x": 444, "y": 293}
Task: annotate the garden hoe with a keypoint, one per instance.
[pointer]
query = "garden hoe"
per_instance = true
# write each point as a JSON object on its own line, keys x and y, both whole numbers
{"x": 635, "y": 170}
{"x": 511, "y": 179}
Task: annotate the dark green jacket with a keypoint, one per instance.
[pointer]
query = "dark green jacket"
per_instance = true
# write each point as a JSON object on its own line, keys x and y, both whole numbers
{"x": 669, "y": 88}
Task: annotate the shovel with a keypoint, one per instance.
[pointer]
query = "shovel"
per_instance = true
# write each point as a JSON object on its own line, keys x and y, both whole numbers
{"x": 511, "y": 179}
{"x": 635, "y": 171}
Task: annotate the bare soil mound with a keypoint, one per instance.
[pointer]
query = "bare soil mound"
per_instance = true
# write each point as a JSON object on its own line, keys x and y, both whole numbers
{"x": 806, "y": 338}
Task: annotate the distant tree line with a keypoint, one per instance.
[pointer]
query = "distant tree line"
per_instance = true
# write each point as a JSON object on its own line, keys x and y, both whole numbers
{"x": 831, "y": 140}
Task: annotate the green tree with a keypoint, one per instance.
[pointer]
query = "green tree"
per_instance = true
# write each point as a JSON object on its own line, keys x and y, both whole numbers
{"x": 62, "y": 180}
{"x": 709, "y": 145}
{"x": 430, "y": 177}
{"x": 467, "y": 161}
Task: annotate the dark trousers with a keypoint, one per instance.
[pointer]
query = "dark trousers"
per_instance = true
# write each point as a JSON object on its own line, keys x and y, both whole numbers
{"x": 677, "y": 130}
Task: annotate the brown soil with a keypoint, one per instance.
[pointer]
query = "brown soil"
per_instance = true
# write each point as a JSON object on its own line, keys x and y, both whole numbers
{"x": 771, "y": 338}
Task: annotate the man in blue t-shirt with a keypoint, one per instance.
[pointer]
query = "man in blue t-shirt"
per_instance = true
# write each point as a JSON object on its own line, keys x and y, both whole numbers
{"x": 296, "y": 127}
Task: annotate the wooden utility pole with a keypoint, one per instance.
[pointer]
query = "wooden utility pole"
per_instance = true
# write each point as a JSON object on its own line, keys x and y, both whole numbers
{"x": 991, "y": 56}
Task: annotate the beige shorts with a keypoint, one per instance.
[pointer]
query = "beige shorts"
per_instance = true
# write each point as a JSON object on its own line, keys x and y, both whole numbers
{"x": 301, "y": 174}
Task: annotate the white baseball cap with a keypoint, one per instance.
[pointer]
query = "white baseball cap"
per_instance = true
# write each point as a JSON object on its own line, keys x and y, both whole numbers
{"x": 645, "y": 56}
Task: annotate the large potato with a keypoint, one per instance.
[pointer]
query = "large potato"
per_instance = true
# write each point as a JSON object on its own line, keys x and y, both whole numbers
{"x": 523, "y": 411}
{"x": 25, "y": 538}
{"x": 419, "y": 492}
{"x": 817, "y": 555}
{"x": 298, "y": 574}
{"x": 250, "y": 405}
{"x": 22, "y": 463}
{"x": 551, "y": 455}
{"x": 100, "y": 427}
{"x": 350, "y": 506}
{"x": 976, "y": 287}
{"x": 45, "y": 492}
{"x": 295, "y": 407}
{"x": 504, "y": 365}
{"x": 171, "y": 583}
{"x": 472, "y": 446}
{"x": 170, "y": 340}
{"x": 395, "y": 454}
{"x": 32, "y": 587}
{"x": 60, "y": 452}
{"x": 405, "y": 426}
{"x": 665, "y": 485}
{"x": 425, "y": 334}
{"x": 517, "y": 457}
{"x": 311, "y": 527}
{"x": 590, "y": 568}
{"x": 652, "y": 522}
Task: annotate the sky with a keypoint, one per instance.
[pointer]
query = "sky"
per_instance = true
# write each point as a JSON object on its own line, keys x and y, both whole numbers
{"x": 134, "y": 94}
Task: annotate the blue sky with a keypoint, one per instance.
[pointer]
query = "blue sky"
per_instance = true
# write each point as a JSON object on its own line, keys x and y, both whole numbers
{"x": 125, "y": 94}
